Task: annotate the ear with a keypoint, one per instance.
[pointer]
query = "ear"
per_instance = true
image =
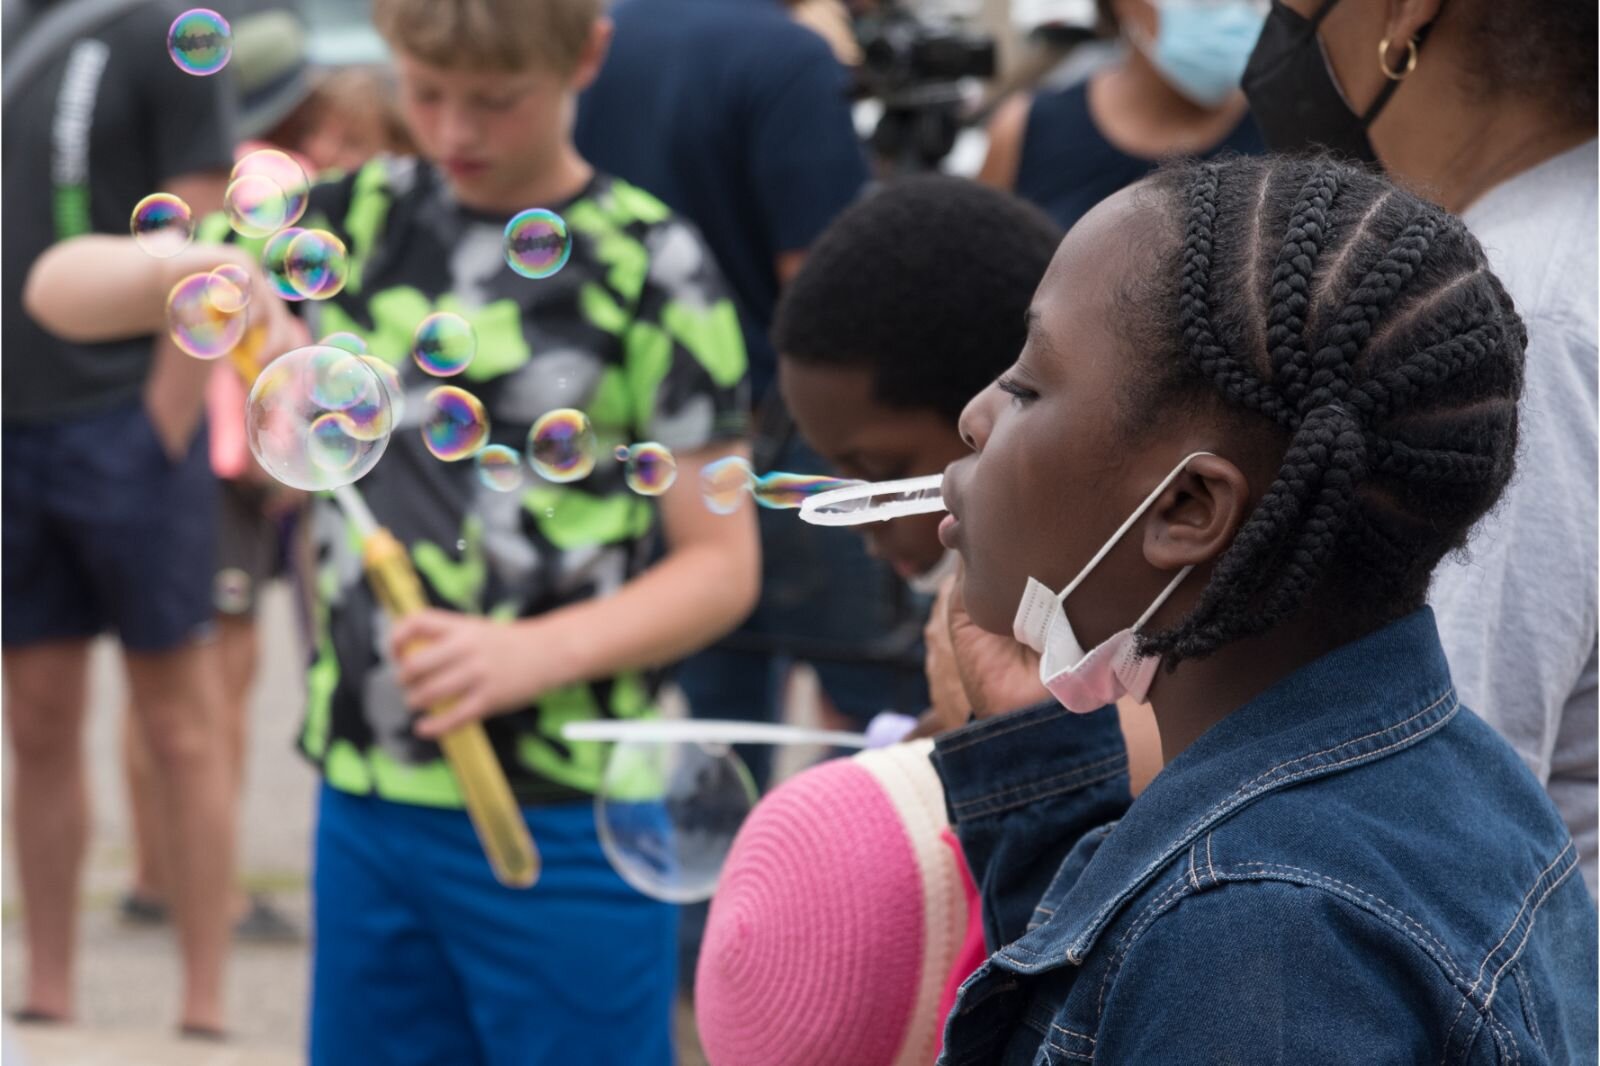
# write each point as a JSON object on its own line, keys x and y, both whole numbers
{"x": 1195, "y": 519}
{"x": 593, "y": 56}
{"x": 1404, "y": 19}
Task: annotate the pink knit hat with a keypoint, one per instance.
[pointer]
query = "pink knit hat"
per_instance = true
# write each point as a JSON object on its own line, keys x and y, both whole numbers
{"x": 836, "y": 922}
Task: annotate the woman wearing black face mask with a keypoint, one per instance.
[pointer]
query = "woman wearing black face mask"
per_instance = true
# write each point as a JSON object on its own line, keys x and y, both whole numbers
{"x": 1489, "y": 108}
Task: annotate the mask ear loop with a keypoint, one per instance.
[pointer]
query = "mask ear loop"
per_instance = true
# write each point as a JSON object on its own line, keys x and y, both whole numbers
{"x": 1138, "y": 513}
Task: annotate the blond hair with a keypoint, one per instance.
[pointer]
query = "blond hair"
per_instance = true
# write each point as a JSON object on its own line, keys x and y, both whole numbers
{"x": 508, "y": 35}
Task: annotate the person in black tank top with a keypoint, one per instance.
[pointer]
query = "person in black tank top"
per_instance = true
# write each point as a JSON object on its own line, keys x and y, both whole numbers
{"x": 1173, "y": 92}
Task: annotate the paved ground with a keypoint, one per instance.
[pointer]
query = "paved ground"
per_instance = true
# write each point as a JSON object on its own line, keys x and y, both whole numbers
{"x": 128, "y": 983}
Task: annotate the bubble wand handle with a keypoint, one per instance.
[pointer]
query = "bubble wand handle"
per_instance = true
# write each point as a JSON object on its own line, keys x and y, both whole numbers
{"x": 880, "y": 501}
{"x": 490, "y": 804}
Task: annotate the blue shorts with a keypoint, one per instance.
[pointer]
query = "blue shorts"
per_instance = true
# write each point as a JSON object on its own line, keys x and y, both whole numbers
{"x": 102, "y": 531}
{"x": 420, "y": 956}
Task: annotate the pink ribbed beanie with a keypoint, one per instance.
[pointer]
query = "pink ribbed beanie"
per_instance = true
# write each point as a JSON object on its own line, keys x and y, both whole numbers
{"x": 836, "y": 922}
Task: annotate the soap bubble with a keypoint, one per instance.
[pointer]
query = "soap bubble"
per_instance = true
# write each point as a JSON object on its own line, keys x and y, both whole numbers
{"x": 316, "y": 264}
{"x": 651, "y": 469}
{"x": 562, "y": 445}
{"x": 255, "y": 205}
{"x": 390, "y": 376}
{"x": 279, "y": 168}
{"x": 275, "y": 262}
{"x": 444, "y": 344}
{"x": 454, "y": 426}
{"x": 780, "y": 491}
{"x": 200, "y": 41}
{"x": 197, "y": 325}
{"x": 667, "y": 814}
{"x": 229, "y": 290}
{"x": 620, "y": 453}
{"x": 537, "y": 243}
{"x": 162, "y": 225}
{"x": 724, "y": 484}
{"x": 500, "y": 468}
{"x": 350, "y": 342}
{"x": 318, "y": 417}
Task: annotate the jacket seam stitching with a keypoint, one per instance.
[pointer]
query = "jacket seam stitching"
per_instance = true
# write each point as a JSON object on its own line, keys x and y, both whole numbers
{"x": 1025, "y": 801}
{"x": 1053, "y": 779}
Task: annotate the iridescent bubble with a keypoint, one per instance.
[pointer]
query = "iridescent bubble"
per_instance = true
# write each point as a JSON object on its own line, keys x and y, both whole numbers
{"x": 316, "y": 264}
{"x": 455, "y": 426}
{"x": 274, "y": 261}
{"x": 724, "y": 484}
{"x": 444, "y": 344}
{"x": 302, "y": 441}
{"x": 255, "y": 205}
{"x": 780, "y": 491}
{"x": 620, "y": 453}
{"x": 229, "y": 290}
{"x": 537, "y": 243}
{"x": 667, "y": 815}
{"x": 280, "y": 169}
{"x": 651, "y": 469}
{"x": 162, "y": 225}
{"x": 196, "y": 324}
{"x": 390, "y": 376}
{"x": 350, "y": 342}
{"x": 500, "y": 468}
{"x": 200, "y": 41}
{"x": 562, "y": 446}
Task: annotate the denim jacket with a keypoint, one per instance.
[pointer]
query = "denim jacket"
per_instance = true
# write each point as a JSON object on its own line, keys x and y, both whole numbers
{"x": 1351, "y": 868}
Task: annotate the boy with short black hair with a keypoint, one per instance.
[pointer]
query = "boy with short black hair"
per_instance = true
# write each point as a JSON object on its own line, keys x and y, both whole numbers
{"x": 551, "y": 613}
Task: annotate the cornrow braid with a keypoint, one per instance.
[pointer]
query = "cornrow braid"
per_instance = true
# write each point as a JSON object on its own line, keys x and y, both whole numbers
{"x": 1386, "y": 352}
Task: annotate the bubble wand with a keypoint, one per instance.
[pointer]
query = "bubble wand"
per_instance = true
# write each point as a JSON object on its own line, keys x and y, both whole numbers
{"x": 490, "y": 804}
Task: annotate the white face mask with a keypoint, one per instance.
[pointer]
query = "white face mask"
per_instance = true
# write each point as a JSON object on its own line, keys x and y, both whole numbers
{"x": 927, "y": 583}
{"x": 1086, "y": 681}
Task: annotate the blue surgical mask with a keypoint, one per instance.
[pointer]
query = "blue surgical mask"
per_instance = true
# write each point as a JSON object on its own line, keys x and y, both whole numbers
{"x": 1202, "y": 46}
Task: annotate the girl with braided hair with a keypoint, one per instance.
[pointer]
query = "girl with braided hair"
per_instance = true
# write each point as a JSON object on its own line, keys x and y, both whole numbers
{"x": 1259, "y": 402}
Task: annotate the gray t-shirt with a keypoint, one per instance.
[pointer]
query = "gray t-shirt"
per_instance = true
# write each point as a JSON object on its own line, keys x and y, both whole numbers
{"x": 105, "y": 124}
{"x": 1517, "y": 613}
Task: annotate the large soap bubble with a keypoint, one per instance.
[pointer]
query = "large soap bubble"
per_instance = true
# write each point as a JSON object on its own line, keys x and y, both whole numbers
{"x": 319, "y": 417}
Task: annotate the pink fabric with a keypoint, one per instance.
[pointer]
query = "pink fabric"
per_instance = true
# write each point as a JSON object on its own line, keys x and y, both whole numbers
{"x": 973, "y": 950}
{"x": 815, "y": 942}
{"x": 225, "y": 403}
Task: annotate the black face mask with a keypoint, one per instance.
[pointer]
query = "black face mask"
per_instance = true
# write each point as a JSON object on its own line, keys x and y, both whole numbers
{"x": 1292, "y": 93}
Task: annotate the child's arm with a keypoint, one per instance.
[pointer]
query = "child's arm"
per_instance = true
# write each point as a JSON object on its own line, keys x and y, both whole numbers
{"x": 704, "y": 586}
{"x": 100, "y": 288}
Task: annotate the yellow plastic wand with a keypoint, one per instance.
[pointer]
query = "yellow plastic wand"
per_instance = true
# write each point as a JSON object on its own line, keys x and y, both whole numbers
{"x": 490, "y": 804}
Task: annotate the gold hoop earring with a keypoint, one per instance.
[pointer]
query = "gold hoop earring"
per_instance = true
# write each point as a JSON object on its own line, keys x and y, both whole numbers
{"x": 1383, "y": 59}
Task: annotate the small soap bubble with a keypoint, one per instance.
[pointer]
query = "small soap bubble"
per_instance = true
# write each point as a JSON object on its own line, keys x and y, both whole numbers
{"x": 255, "y": 205}
{"x": 667, "y": 815}
{"x": 620, "y": 453}
{"x": 279, "y": 168}
{"x": 651, "y": 469}
{"x": 562, "y": 445}
{"x": 316, "y": 264}
{"x": 349, "y": 342}
{"x": 200, "y": 41}
{"x": 537, "y": 243}
{"x": 162, "y": 225}
{"x": 318, "y": 418}
{"x": 454, "y": 425}
{"x": 229, "y": 290}
{"x": 725, "y": 483}
{"x": 389, "y": 375}
{"x": 780, "y": 491}
{"x": 500, "y": 468}
{"x": 274, "y": 261}
{"x": 444, "y": 344}
{"x": 196, "y": 324}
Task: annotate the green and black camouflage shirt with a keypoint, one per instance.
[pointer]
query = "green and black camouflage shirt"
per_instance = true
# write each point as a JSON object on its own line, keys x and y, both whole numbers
{"x": 637, "y": 330}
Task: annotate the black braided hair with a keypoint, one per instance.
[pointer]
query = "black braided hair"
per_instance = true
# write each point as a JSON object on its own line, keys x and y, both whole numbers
{"x": 1375, "y": 348}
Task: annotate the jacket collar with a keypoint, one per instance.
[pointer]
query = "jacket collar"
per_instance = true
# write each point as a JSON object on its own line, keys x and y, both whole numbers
{"x": 1362, "y": 702}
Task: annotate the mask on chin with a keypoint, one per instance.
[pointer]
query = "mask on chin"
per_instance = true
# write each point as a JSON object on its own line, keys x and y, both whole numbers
{"x": 1084, "y": 681}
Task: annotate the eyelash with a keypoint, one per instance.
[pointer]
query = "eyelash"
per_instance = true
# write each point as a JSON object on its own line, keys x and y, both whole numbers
{"x": 1021, "y": 393}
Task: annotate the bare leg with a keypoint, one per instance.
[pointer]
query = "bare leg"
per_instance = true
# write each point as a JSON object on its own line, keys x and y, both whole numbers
{"x": 46, "y": 686}
{"x": 178, "y": 697}
{"x": 149, "y": 876}
{"x": 236, "y": 643}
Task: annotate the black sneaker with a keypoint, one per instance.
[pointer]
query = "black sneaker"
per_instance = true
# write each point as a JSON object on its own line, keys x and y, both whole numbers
{"x": 138, "y": 910}
{"x": 264, "y": 923}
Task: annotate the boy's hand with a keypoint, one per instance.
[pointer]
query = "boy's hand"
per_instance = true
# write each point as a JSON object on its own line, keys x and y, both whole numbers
{"x": 997, "y": 673}
{"x": 477, "y": 666}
